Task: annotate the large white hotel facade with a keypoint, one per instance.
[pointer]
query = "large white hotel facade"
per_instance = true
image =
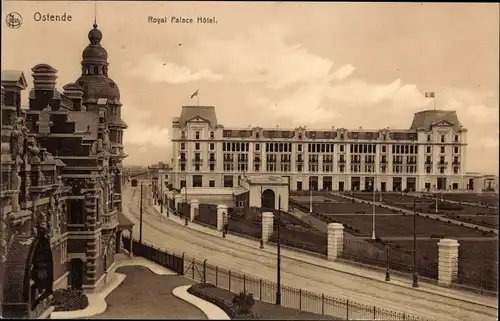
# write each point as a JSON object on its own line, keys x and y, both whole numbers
{"x": 430, "y": 155}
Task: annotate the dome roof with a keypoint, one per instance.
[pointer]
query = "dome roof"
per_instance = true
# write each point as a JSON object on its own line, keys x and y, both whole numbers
{"x": 99, "y": 86}
{"x": 94, "y": 52}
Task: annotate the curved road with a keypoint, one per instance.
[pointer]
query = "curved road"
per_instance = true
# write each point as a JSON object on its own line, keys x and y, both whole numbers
{"x": 161, "y": 232}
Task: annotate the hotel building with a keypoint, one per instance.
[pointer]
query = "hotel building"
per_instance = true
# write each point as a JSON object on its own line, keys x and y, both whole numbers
{"x": 430, "y": 155}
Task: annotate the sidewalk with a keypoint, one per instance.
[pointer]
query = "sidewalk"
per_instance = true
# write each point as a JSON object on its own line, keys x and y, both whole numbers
{"x": 457, "y": 294}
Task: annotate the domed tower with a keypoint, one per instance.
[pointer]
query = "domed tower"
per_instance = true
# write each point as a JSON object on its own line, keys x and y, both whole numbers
{"x": 97, "y": 85}
{"x": 94, "y": 79}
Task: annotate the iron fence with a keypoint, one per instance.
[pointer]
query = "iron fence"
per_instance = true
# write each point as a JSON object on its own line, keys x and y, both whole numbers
{"x": 262, "y": 289}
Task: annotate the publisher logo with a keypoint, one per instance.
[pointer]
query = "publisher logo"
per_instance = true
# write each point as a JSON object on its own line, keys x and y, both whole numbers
{"x": 14, "y": 20}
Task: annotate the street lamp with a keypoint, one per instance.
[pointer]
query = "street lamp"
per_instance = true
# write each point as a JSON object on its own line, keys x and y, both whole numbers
{"x": 161, "y": 194}
{"x": 436, "y": 194}
{"x": 310, "y": 198}
{"x": 278, "y": 258}
{"x": 140, "y": 217}
{"x": 372, "y": 184}
{"x": 415, "y": 275}
{"x": 261, "y": 209}
{"x": 388, "y": 267}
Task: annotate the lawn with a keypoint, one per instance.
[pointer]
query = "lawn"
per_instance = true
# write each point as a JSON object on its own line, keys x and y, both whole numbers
{"x": 486, "y": 221}
{"x": 346, "y": 207}
{"x": 262, "y": 310}
{"x": 399, "y": 225}
{"x": 483, "y": 199}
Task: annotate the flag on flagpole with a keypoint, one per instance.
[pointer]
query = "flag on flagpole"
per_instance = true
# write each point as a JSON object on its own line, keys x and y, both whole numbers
{"x": 427, "y": 94}
{"x": 194, "y": 94}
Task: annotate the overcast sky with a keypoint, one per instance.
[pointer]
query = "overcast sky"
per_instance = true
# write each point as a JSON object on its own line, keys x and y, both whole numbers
{"x": 286, "y": 64}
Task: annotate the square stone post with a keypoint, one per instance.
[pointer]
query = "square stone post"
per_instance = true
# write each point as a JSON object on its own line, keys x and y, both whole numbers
{"x": 448, "y": 262}
{"x": 195, "y": 204}
{"x": 221, "y": 209}
{"x": 178, "y": 200}
{"x": 335, "y": 241}
{"x": 267, "y": 225}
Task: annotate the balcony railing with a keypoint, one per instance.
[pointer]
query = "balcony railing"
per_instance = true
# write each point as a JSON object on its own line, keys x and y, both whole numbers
{"x": 456, "y": 163}
{"x": 197, "y": 160}
{"x": 428, "y": 162}
{"x": 341, "y": 161}
{"x": 442, "y": 163}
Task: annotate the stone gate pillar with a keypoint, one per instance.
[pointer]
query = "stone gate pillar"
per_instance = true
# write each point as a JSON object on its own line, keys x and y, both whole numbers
{"x": 448, "y": 262}
{"x": 195, "y": 205}
{"x": 221, "y": 209}
{"x": 267, "y": 225}
{"x": 335, "y": 241}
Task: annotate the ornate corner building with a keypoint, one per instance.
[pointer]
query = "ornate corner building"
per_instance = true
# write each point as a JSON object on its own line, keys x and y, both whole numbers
{"x": 61, "y": 213}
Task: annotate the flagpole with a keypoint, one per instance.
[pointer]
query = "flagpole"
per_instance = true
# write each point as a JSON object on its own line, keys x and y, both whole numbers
{"x": 434, "y": 101}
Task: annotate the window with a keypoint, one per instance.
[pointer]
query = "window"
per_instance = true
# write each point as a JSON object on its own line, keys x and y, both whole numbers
{"x": 342, "y": 148}
{"x": 183, "y": 135}
{"x": 455, "y": 149}
{"x": 212, "y": 167}
{"x": 428, "y": 138}
{"x": 442, "y": 149}
{"x": 455, "y": 170}
{"x": 441, "y": 170}
{"x": 183, "y": 167}
{"x": 428, "y": 170}
{"x": 211, "y": 183}
{"x": 197, "y": 181}
{"x": 183, "y": 183}
{"x": 212, "y": 146}
{"x": 257, "y": 146}
{"x": 441, "y": 159}
{"x": 428, "y": 149}
{"x": 64, "y": 252}
{"x": 212, "y": 135}
{"x": 384, "y": 149}
{"x": 183, "y": 146}
{"x": 197, "y": 146}
{"x": 197, "y": 134}
{"x": 299, "y": 147}
{"x": 442, "y": 138}
{"x": 456, "y": 138}
{"x": 228, "y": 180}
{"x": 197, "y": 168}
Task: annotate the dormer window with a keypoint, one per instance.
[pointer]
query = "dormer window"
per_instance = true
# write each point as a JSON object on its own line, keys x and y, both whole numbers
{"x": 384, "y": 137}
{"x": 341, "y": 136}
{"x": 212, "y": 135}
{"x": 257, "y": 135}
{"x": 300, "y": 135}
{"x": 428, "y": 138}
{"x": 456, "y": 138}
{"x": 183, "y": 135}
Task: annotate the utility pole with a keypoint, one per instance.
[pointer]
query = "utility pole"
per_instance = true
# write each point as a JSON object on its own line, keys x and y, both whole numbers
{"x": 373, "y": 210}
{"x": 278, "y": 259}
{"x": 415, "y": 275}
{"x": 140, "y": 218}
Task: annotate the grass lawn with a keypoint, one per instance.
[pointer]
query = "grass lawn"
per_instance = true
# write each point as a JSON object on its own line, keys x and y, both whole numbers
{"x": 486, "y": 221}
{"x": 268, "y": 311}
{"x": 402, "y": 225}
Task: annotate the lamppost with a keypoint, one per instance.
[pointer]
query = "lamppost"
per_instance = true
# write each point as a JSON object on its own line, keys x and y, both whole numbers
{"x": 310, "y": 197}
{"x": 140, "y": 217}
{"x": 388, "y": 267}
{"x": 185, "y": 205}
{"x": 261, "y": 223}
{"x": 278, "y": 258}
{"x": 224, "y": 224}
{"x": 372, "y": 185}
{"x": 415, "y": 275}
{"x": 436, "y": 194}
{"x": 161, "y": 194}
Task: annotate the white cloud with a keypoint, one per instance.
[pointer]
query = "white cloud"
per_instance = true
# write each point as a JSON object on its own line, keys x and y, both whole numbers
{"x": 140, "y": 132}
{"x": 153, "y": 68}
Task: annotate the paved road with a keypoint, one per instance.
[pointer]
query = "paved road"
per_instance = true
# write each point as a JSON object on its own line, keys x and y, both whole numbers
{"x": 163, "y": 233}
{"x": 438, "y": 216}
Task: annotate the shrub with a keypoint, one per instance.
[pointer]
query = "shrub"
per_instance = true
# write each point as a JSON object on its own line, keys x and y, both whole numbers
{"x": 243, "y": 303}
{"x": 69, "y": 300}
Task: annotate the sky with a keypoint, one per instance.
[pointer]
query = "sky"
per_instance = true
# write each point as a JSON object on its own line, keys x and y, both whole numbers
{"x": 266, "y": 64}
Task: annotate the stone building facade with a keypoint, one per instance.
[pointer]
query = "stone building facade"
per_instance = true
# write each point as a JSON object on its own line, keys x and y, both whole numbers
{"x": 61, "y": 218}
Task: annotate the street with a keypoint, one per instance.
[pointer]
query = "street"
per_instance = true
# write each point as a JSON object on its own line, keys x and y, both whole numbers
{"x": 163, "y": 233}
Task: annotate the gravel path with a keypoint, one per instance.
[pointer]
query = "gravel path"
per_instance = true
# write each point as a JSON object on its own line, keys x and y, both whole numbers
{"x": 146, "y": 295}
